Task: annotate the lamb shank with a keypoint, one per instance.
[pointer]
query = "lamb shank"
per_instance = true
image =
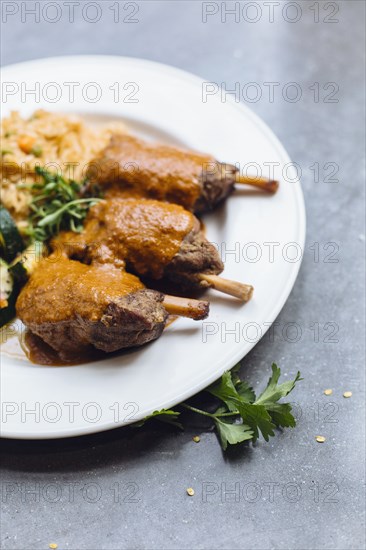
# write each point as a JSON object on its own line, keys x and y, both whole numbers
{"x": 194, "y": 180}
{"x": 73, "y": 307}
{"x": 153, "y": 239}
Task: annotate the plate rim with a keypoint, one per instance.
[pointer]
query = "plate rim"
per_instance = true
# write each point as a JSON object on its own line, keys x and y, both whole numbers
{"x": 301, "y": 228}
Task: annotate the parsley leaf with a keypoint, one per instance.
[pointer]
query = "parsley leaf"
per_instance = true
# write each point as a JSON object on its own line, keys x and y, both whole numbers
{"x": 225, "y": 390}
{"x": 273, "y": 392}
{"x": 232, "y": 433}
{"x": 56, "y": 205}
{"x": 165, "y": 415}
{"x": 281, "y": 415}
{"x": 253, "y": 414}
{"x": 241, "y": 416}
{"x": 245, "y": 391}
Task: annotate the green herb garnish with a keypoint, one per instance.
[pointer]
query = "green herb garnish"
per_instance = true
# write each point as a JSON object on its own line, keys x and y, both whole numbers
{"x": 37, "y": 151}
{"x": 56, "y": 205}
{"x": 241, "y": 416}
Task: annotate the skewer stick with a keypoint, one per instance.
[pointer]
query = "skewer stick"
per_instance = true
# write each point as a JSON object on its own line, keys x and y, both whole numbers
{"x": 239, "y": 290}
{"x": 270, "y": 186}
{"x": 186, "y": 307}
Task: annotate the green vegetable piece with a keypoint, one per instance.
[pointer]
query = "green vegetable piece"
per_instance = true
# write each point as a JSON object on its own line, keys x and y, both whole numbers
{"x": 11, "y": 243}
{"x": 24, "y": 264}
{"x": 240, "y": 416}
{"x": 56, "y": 206}
{"x": 273, "y": 391}
{"x": 9, "y": 291}
{"x": 231, "y": 434}
{"x": 37, "y": 151}
{"x": 165, "y": 415}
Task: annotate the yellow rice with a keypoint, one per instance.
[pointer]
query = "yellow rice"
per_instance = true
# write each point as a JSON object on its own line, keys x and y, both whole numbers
{"x": 59, "y": 142}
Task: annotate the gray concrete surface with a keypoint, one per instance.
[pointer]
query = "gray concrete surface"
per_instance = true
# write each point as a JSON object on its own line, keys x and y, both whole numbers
{"x": 126, "y": 489}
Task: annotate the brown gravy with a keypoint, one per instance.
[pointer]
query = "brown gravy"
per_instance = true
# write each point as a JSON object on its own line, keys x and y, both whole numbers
{"x": 40, "y": 353}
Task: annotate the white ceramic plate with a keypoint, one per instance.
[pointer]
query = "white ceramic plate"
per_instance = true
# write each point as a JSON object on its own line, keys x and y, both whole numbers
{"x": 162, "y": 103}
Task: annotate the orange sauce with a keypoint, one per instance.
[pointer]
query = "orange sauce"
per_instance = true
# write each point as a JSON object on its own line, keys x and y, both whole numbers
{"x": 159, "y": 171}
{"x": 146, "y": 234}
{"x": 72, "y": 289}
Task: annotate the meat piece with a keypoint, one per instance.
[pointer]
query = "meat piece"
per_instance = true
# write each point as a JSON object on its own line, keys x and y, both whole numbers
{"x": 218, "y": 182}
{"x": 155, "y": 240}
{"x": 73, "y": 306}
{"x": 195, "y": 257}
{"x": 196, "y": 181}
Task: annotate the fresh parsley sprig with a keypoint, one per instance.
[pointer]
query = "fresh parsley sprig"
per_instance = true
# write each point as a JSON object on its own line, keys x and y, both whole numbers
{"x": 56, "y": 205}
{"x": 241, "y": 415}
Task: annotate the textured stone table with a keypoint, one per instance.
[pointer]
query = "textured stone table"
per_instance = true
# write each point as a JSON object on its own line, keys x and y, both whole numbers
{"x": 126, "y": 489}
